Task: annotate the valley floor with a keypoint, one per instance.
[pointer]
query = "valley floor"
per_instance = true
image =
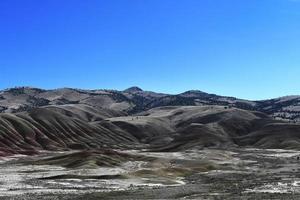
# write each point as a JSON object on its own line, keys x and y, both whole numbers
{"x": 198, "y": 174}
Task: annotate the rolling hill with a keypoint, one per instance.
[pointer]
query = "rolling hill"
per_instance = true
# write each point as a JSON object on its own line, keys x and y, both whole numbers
{"x": 33, "y": 119}
{"x": 134, "y": 100}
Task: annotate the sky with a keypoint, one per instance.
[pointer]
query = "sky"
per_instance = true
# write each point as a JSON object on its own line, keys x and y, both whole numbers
{"x": 243, "y": 48}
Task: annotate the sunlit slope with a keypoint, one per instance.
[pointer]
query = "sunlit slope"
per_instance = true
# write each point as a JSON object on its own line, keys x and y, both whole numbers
{"x": 134, "y": 100}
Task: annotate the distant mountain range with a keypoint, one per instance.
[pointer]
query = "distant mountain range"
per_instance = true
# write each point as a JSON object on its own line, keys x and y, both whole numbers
{"x": 134, "y": 100}
{"x": 33, "y": 119}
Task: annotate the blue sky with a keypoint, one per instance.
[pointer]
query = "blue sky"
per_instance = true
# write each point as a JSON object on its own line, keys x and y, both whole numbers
{"x": 243, "y": 48}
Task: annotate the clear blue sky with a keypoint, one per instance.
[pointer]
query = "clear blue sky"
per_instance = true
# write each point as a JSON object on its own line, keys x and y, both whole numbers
{"x": 243, "y": 48}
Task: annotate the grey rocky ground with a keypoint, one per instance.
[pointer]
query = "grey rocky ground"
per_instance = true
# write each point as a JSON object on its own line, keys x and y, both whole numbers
{"x": 237, "y": 174}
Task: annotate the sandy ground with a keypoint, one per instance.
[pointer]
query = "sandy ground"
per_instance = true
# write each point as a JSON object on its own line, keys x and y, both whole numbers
{"x": 240, "y": 174}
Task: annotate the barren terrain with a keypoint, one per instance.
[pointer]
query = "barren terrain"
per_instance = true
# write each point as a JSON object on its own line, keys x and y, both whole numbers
{"x": 134, "y": 144}
{"x": 198, "y": 174}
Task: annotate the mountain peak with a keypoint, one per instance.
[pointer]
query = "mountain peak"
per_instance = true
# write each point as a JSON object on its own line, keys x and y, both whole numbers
{"x": 191, "y": 93}
{"x": 133, "y": 89}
